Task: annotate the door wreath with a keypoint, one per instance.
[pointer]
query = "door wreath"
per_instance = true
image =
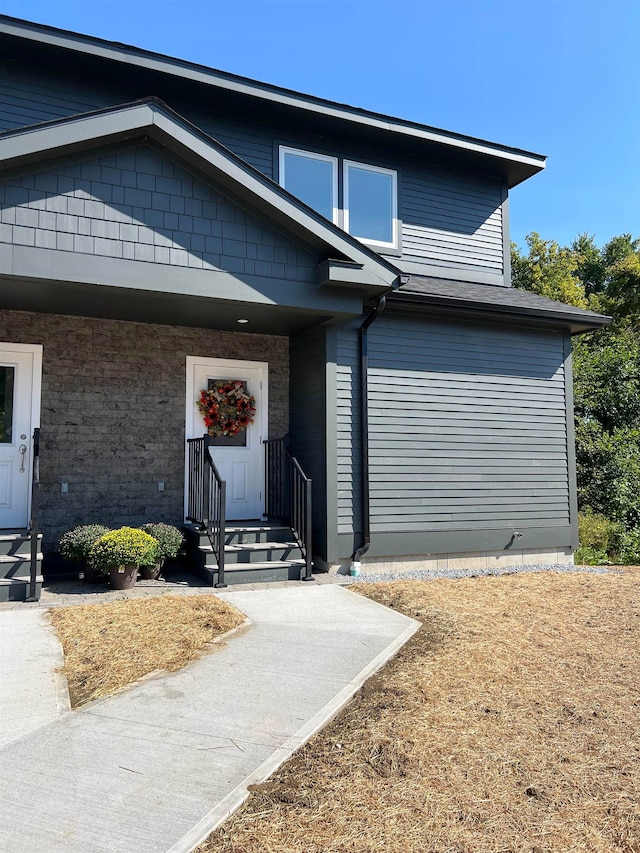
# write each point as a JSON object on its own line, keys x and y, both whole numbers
{"x": 226, "y": 408}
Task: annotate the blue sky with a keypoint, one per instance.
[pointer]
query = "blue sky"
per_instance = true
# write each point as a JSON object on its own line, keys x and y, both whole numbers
{"x": 558, "y": 77}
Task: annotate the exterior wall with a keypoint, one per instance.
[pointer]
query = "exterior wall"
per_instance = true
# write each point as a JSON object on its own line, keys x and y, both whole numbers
{"x": 113, "y": 409}
{"x": 468, "y": 437}
{"x": 307, "y": 404}
{"x": 452, "y": 221}
{"x": 138, "y": 205}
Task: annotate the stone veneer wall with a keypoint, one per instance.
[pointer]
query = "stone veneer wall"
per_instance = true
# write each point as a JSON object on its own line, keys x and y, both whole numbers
{"x": 113, "y": 409}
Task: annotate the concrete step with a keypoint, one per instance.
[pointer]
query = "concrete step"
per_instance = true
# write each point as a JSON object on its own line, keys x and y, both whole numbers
{"x": 14, "y": 543}
{"x": 16, "y": 567}
{"x": 17, "y": 589}
{"x": 245, "y": 534}
{"x": 239, "y": 573}
{"x": 241, "y": 534}
{"x": 255, "y": 552}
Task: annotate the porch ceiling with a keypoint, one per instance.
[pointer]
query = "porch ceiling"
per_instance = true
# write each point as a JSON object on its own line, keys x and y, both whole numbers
{"x": 117, "y": 303}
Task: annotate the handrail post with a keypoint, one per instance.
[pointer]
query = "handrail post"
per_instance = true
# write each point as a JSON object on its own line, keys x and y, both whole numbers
{"x": 307, "y": 533}
{"x": 221, "y": 533}
{"x": 34, "y": 521}
{"x": 207, "y": 498}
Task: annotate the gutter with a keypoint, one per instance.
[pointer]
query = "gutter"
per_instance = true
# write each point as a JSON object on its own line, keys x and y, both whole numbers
{"x": 354, "y": 569}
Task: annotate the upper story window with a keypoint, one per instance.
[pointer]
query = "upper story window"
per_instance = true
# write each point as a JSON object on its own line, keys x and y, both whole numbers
{"x": 370, "y": 203}
{"x": 313, "y": 178}
{"x": 368, "y": 194}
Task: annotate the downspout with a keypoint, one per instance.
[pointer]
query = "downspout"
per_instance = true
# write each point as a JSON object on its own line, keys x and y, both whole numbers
{"x": 354, "y": 569}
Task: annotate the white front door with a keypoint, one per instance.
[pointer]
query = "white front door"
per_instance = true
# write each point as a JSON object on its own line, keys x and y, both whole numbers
{"x": 20, "y": 371}
{"x": 240, "y": 459}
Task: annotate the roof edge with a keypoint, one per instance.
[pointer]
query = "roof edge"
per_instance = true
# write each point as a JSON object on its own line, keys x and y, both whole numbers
{"x": 119, "y": 52}
{"x": 579, "y": 323}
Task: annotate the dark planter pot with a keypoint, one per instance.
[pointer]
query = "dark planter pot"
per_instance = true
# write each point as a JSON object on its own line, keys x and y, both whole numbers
{"x": 123, "y": 579}
{"x": 150, "y": 573}
{"x": 91, "y": 575}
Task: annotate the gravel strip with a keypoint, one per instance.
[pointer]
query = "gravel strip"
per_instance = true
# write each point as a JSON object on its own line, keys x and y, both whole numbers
{"x": 432, "y": 574}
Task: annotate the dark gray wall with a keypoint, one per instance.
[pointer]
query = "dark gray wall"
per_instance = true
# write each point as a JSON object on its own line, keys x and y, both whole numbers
{"x": 307, "y": 406}
{"x": 451, "y": 219}
{"x": 138, "y": 205}
{"x": 468, "y": 434}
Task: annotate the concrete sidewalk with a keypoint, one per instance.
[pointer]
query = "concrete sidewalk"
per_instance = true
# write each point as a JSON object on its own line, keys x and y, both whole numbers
{"x": 32, "y": 692}
{"x": 159, "y": 766}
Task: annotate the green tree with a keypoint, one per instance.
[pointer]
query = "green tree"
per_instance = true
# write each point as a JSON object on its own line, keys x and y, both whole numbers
{"x": 549, "y": 270}
{"x": 607, "y": 410}
{"x": 606, "y": 364}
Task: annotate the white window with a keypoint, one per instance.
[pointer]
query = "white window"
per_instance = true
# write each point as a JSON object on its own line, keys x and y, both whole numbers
{"x": 313, "y": 178}
{"x": 370, "y": 204}
{"x": 369, "y": 194}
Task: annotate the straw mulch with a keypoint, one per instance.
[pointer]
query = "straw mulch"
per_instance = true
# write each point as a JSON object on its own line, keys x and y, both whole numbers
{"x": 510, "y": 723}
{"x": 108, "y": 646}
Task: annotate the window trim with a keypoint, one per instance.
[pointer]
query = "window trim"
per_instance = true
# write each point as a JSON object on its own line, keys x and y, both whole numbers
{"x": 312, "y": 155}
{"x": 346, "y": 164}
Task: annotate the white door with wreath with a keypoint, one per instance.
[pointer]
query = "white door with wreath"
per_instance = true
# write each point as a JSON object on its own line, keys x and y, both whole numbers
{"x": 228, "y": 400}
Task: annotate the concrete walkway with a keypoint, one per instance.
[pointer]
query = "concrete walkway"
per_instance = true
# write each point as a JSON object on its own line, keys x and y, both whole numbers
{"x": 32, "y": 692}
{"x": 161, "y": 765}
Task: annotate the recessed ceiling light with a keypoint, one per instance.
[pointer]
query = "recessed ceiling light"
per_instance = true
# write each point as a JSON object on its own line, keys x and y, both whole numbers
{"x": 242, "y": 321}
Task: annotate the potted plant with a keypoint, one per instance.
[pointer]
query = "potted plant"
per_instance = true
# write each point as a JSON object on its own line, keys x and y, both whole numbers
{"x": 75, "y": 546}
{"x": 121, "y": 553}
{"x": 169, "y": 541}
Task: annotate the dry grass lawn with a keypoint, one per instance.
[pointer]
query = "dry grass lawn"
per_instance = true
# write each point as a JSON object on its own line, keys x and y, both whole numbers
{"x": 108, "y": 646}
{"x": 510, "y": 723}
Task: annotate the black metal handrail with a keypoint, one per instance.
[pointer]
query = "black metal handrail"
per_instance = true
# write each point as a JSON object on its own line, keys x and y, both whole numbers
{"x": 34, "y": 521}
{"x": 288, "y": 496}
{"x": 206, "y": 498}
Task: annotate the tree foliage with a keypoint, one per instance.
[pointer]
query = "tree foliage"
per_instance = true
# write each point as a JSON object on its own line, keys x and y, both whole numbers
{"x": 549, "y": 270}
{"x": 606, "y": 366}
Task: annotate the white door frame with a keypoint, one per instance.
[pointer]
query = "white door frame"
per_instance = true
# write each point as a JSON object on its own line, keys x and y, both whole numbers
{"x": 262, "y": 414}
{"x": 36, "y": 393}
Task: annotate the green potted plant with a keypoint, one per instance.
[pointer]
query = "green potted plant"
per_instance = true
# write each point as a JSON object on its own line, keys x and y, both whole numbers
{"x": 169, "y": 541}
{"x": 75, "y": 546}
{"x": 121, "y": 553}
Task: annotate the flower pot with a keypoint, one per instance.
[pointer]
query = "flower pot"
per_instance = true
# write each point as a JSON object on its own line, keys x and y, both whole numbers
{"x": 150, "y": 573}
{"x": 91, "y": 575}
{"x": 123, "y": 577}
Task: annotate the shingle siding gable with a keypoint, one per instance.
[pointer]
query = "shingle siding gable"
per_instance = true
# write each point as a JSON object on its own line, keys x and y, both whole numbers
{"x": 138, "y": 204}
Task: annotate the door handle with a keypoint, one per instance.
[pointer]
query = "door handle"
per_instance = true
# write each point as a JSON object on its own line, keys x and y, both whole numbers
{"x": 23, "y": 450}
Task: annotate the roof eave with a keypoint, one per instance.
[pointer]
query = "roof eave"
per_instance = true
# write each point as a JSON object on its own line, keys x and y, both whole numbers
{"x": 576, "y": 323}
{"x": 515, "y": 164}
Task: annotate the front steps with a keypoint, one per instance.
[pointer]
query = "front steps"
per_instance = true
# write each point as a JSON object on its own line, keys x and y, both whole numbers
{"x": 256, "y": 552}
{"x": 15, "y": 565}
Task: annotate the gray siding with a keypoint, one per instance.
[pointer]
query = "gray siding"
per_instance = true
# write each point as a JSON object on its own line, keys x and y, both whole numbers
{"x": 28, "y": 96}
{"x": 349, "y": 469}
{"x": 139, "y": 205}
{"x": 307, "y": 421}
{"x": 451, "y": 219}
{"x": 467, "y": 428}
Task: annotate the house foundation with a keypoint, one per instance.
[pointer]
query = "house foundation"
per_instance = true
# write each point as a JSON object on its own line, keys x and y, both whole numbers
{"x": 481, "y": 561}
